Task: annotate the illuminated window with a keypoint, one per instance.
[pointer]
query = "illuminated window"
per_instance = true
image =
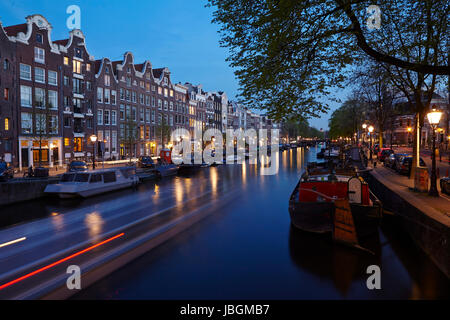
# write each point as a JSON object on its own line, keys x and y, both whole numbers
{"x": 78, "y": 145}
{"x": 66, "y": 142}
{"x": 66, "y": 61}
{"x": 6, "y": 124}
{"x": 76, "y": 66}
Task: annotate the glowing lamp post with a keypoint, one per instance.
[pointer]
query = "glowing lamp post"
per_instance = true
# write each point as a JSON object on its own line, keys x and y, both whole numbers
{"x": 434, "y": 117}
{"x": 409, "y": 133}
{"x": 370, "y": 133}
{"x": 93, "y": 140}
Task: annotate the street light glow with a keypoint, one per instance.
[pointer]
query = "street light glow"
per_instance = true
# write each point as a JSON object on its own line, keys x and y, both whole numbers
{"x": 371, "y": 129}
{"x": 93, "y": 138}
{"x": 434, "y": 117}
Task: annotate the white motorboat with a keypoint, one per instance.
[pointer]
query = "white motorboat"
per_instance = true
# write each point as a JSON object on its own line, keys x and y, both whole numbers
{"x": 91, "y": 183}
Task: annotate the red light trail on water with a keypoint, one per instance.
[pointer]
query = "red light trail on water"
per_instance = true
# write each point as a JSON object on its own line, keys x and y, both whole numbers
{"x": 59, "y": 262}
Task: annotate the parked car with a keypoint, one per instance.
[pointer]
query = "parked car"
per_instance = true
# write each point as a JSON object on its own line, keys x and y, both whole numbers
{"x": 391, "y": 160}
{"x": 398, "y": 159}
{"x": 445, "y": 185}
{"x": 146, "y": 162}
{"x": 405, "y": 165}
{"x": 384, "y": 153}
{"x": 77, "y": 166}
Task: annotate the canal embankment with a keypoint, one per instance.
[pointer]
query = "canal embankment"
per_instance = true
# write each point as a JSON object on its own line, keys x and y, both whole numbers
{"x": 26, "y": 189}
{"x": 426, "y": 219}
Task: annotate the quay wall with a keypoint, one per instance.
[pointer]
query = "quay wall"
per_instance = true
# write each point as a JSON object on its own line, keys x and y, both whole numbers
{"x": 431, "y": 235}
{"x": 19, "y": 190}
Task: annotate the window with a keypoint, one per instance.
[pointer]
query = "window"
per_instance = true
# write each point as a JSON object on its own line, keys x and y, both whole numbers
{"x": 113, "y": 141}
{"x": 141, "y": 98}
{"x": 134, "y": 96}
{"x": 88, "y": 85}
{"x": 113, "y": 96}
{"x": 133, "y": 114}
{"x": 165, "y": 105}
{"x": 76, "y": 66}
{"x": 88, "y": 67}
{"x": 171, "y": 120}
{"x": 153, "y": 102}
{"x": 100, "y": 117}
{"x": 39, "y": 55}
{"x": 147, "y": 115}
{"x": 100, "y": 95}
{"x": 171, "y": 93}
{"x": 67, "y": 124}
{"x": 53, "y": 124}
{"x": 122, "y": 94}
{"x": 52, "y": 78}
{"x": 108, "y": 141}
{"x": 39, "y": 97}
{"x": 66, "y": 61}
{"x": 141, "y": 114}
{"x": 159, "y": 104}
{"x": 147, "y": 87}
{"x": 166, "y": 92}
{"x": 66, "y": 81}
{"x": 159, "y": 90}
{"x": 113, "y": 117}
{"x": 122, "y": 112}
{"x": 128, "y": 81}
{"x": 53, "y": 99}
{"x": 5, "y": 64}
{"x": 153, "y": 88}
{"x": 39, "y": 75}
{"x": 89, "y": 123}
{"x": 107, "y": 81}
{"x": 107, "y": 95}
{"x": 153, "y": 116}
{"x": 106, "y": 118}
{"x": 78, "y": 147}
{"x": 67, "y": 143}
{"x": 6, "y": 94}
{"x": 147, "y": 100}
{"x": 171, "y": 106}
{"x": 39, "y": 38}
{"x": 25, "y": 72}
{"x": 128, "y": 95}
{"x": 6, "y": 124}
{"x": 97, "y": 177}
{"x": 26, "y": 122}
{"x": 77, "y": 86}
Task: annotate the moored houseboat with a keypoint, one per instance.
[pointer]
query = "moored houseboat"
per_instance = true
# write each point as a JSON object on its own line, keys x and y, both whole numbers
{"x": 91, "y": 183}
{"x": 312, "y": 204}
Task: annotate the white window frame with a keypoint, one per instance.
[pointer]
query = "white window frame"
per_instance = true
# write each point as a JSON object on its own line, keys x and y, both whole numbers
{"x": 55, "y": 82}
{"x": 39, "y": 55}
{"x": 28, "y": 72}
{"x": 36, "y": 75}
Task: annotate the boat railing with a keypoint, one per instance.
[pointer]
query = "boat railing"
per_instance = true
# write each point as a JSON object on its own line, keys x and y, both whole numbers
{"x": 322, "y": 194}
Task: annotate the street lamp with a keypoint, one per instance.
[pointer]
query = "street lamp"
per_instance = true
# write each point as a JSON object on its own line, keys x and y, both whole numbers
{"x": 370, "y": 132}
{"x": 409, "y": 133}
{"x": 93, "y": 140}
{"x": 434, "y": 117}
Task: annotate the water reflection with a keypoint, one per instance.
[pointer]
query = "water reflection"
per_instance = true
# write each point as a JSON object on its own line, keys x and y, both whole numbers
{"x": 94, "y": 222}
{"x": 339, "y": 265}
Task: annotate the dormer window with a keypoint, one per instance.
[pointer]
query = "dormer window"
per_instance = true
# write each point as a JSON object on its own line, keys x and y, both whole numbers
{"x": 106, "y": 70}
{"x": 39, "y": 38}
{"x": 78, "y": 53}
{"x": 129, "y": 70}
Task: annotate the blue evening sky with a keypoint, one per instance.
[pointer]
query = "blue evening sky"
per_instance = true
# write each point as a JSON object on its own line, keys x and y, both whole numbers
{"x": 174, "y": 33}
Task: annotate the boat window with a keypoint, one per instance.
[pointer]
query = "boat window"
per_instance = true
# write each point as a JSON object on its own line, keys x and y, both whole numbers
{"x": 128, "y": 172}
{"x": 82, "y": 177}
{"x": 67, "y": 177}
{"x": 96, "y": 178}
{"x": 109, "y": 177}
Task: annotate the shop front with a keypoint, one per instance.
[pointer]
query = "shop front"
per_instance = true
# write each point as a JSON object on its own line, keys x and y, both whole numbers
{"x": 49, "y": 152}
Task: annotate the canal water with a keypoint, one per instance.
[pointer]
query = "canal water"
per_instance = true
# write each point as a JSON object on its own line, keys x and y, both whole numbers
{"x": 246, "y": 248}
